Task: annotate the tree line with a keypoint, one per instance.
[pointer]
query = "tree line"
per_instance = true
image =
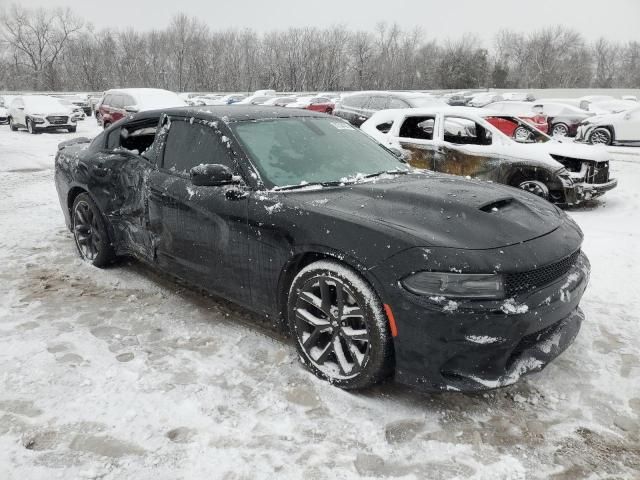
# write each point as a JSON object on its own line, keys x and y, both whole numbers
{"x": 53, "y": 49}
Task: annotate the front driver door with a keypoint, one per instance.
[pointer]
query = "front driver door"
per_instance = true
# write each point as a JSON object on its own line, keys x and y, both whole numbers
{"x": 628, "y": 128}
{"x": 200, "y": 232}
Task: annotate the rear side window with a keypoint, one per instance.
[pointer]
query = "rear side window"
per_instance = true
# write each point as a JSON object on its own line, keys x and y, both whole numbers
{"x": 397, "y": 103}
{"x": 378, "y": 103}
{"x": 356, "y": 101}
{"x": 189, "y": 145}
{"x": 418, "y": 127}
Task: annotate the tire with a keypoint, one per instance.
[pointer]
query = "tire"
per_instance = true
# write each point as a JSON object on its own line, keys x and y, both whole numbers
{"x": 521, "y": 134}
{"x": 72, "y": 129}
{"x": 559, "y": 130}
{"x": 31, "y": 129}
{"x": 536, "y": 187}
{"x": 12, "y": 126}
{"x": 106, "y": 125}
{"x": 90, "y": 232}
{"x": 601, "y": 136}
{"x": 346, "y": 342}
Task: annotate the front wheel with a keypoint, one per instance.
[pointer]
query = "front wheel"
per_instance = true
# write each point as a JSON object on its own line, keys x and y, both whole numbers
{"x": 72, "y": 129}
{"x": 12, "y": 126}
{"x": 31, "y": 127}
{"x": 536, "y": 187}
{"x": 600, "y": 136}
{"x": 90, "y": 232}
{"x": 339, "y": 326}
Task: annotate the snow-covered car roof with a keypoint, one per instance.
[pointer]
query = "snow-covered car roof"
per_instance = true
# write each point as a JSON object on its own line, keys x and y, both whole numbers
{"x": 150, "y": 98}
{"x": 511, "y": 107}
{"x": 43, "y": 103}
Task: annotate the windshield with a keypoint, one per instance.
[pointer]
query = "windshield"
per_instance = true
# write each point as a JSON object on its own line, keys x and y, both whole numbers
{"x": 304, "y": 150}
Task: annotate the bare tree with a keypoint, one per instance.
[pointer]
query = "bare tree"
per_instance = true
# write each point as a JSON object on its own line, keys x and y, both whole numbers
{"x": 37, "y": 39}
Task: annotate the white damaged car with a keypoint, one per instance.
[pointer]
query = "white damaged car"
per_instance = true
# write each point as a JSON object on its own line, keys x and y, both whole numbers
{"x": 619, "y": 128}
{"x": 465, "y": 141}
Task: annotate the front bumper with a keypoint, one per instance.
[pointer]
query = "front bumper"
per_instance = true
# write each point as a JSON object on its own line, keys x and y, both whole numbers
{"x": 476, "y": 345}
{"x": 45, "y": 124}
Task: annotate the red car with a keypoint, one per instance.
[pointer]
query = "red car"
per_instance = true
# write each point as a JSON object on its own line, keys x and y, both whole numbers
{"x": 116, "y": 104}
{"x": 522, "y": 110}
{"x": 317, "y": 104}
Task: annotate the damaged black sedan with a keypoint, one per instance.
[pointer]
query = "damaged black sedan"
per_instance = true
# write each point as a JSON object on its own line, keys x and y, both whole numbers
{"x": 377, "y": 270}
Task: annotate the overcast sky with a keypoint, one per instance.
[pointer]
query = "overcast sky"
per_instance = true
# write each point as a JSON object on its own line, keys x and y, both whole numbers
{"x": 614, "y": 19}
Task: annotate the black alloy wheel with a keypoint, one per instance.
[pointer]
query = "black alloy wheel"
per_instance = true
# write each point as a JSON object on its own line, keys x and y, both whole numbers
{"x": 90, "y": 232}
{"x": 340, "y": 329}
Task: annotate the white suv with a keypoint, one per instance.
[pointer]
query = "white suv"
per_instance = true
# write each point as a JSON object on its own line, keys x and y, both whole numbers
{"x": 38, "y": 113}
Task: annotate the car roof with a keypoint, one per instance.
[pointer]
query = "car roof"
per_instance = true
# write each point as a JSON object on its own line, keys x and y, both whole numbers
{"x": 232, "y": 113}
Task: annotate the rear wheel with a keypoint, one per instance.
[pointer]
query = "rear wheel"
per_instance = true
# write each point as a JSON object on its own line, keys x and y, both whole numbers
{"x": 90, "y": 232}
{"x": 600, "y": 136}
{"x": 560, "y": 130}
{"x": 339, "y": 325}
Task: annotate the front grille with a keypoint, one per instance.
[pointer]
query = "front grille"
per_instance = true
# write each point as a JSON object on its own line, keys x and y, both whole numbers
{"x": 598, "y": 173}
{"x": 520, "y": 282}
{"x": 54, "y": 120}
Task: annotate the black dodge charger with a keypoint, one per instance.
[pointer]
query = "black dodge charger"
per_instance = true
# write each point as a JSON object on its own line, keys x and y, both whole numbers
{"x": 374, "y": 268}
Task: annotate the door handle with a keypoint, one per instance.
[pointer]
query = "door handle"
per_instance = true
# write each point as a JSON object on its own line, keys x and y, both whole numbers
{"x": 235, "y": 194}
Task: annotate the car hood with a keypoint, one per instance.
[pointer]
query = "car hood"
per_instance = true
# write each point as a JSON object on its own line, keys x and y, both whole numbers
{"x": 445, "y": 210}
{"x": 567, "y": 149}
{"x": 46, "y": 112}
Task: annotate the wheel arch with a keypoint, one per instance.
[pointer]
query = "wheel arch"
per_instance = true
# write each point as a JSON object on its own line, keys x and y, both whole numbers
{"x": 608, "y": 127}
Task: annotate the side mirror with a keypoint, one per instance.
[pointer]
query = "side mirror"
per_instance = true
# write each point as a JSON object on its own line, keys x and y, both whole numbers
{"x": 211, "y": 175}
{"x": 20, "y": 108}
{"x": 131, "y": 109}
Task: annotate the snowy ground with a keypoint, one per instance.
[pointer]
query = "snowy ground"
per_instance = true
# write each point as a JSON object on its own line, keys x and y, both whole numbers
{"x": 120, "y": 373}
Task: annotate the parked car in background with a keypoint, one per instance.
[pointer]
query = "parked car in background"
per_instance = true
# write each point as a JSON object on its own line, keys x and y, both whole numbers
{"x": 4, "y": 115}
{"x": 38, "y": 113}
{"x": 279, "y": 101}
{"x": 522, "y": 110}
{"x": 616, "y": 105}
{"x": 208, "y": 99}
{"x": 464, "y": 141}
{"x": 78, "y": 112}
{"x": 629, "y": 97}
{"x": 229, "y": 99}
{"x": 254, "y": 100}
{"x": 456, "y": 100}
{"x": 375, "y": 270}
{"x": 80, "y": 101}
{"x": 518, "y": 96}
{"x": 484, "y": 98}
{"x": 572, "y": 102}
{"x": 120, "y": 102}
{"x": 563, "y": 119}
{"x": 316, "y": 104}
{"x": 264, "y": 93}
{"x": 356, "y": 108}
{"x": 584, "y": 102}
{"x": 622, "y": 128}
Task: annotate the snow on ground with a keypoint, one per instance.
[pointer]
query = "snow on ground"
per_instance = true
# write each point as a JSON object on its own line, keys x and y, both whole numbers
{"x": 121, "y": 373}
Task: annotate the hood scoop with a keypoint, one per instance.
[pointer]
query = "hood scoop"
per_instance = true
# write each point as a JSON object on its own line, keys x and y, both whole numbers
{"x": 497, "y": 205}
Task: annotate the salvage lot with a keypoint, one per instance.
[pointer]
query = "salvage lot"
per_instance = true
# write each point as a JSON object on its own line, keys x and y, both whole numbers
{"x": 123, "y": 374}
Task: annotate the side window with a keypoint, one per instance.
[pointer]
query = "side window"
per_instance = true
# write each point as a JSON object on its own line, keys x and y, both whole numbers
{"x": 384, "y": 127}
{"x": 127, "y": 101}
{"x": 107, "y": 100}
{"x": 397, "y": 103}
{"x": 189, "y": 145}
{"x": 356, "y": 101}
{"x": 377, "y": 103}
{"x": 116, "y": 101}
{"x": 418, "y": 127}
{"x": 463, "y": 131}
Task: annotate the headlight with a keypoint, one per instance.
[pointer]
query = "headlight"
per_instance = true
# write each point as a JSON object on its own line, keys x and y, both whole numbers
{"x": 37, "y": 119}
{"x": 455, "y": 285}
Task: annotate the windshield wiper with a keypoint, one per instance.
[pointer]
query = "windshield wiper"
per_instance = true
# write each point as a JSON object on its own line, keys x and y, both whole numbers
{"x": 310, "y": 184}
{"x": 388, "y": 172}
